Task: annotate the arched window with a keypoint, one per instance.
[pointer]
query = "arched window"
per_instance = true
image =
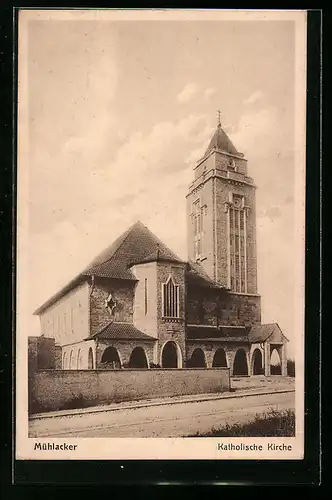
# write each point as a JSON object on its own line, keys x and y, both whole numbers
{"x": 111, "y": 358}
{"x": 138, "y": 358}
{"x": 90, "y": 359}
{"x": 171, "y": 299}
{"x": 219, "y": 359}
{"x": 197, "y": 359}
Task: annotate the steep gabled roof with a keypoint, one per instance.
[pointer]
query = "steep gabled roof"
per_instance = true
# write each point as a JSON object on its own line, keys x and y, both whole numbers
{"x": 221, "y": 141}
{"x": 138, "y": 244}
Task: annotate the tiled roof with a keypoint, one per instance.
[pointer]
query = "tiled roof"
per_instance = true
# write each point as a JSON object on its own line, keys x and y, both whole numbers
{"x": 121, "y": 331}
{"x": 255, "y": 334}
{"x": 221, "y": 339}
{"x": 161, "y": 253}
{"x": 222, "y": 333}
{"x": 221, "y": 141}
{"x": 260, "y": 333}
{"x": 137, "y": 244}
{"x": 134, "y": 246}
{"x": 196, "y": 276}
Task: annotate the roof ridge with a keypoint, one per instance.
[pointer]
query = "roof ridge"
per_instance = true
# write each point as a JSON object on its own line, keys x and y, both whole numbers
{"x": 130, "y": 229}
{"x": 125, "y": 236}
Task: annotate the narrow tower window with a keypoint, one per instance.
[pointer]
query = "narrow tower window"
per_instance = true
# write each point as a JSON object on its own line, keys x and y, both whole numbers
{"x": 145, "y": 296}
{"x": 198, "y": 227}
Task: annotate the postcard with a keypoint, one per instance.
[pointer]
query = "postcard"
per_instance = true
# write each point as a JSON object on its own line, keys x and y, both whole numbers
{"x": 160, "y": 234}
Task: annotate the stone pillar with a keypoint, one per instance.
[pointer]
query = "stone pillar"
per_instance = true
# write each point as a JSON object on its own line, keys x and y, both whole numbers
{"x": 267, "y": 360}
{"x": 230, "y": 355}
{"x": 248, "y": 363}
{"x": 251, "y": 361}
{"x": 209, "y": 353}
{"x": 155, "y": 358}
{"x": 283, "y": 359}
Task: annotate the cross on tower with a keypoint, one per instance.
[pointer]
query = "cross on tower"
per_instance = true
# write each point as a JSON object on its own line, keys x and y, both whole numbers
{"x": 219, "y": 123}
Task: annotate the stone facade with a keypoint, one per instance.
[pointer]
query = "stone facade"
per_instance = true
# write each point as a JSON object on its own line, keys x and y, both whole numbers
{"x": 171, "y": 329}
{"x": 123, "y": 293}
{"x": 219, "y": 307}
{"x": 212, "y": 190}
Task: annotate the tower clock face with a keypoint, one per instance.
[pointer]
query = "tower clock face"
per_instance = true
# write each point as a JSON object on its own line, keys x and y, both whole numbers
{"x": 237, "y": 202}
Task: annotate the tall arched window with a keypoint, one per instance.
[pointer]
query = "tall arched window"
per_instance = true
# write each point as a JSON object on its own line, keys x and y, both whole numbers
{"x": 90, "y": 359}
{"x": 237, "y": 243}
{"x": 171, "y": 299}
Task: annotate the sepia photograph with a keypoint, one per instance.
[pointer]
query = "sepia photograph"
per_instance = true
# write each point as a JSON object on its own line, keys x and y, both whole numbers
{"x": 160, "y": 234}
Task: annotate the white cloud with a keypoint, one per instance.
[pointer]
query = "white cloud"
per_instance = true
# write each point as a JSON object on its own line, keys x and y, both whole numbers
{"x": 259, "y": 132}
{"x": 255, "y": 97}
{"x": 188, "y": 92}
{"x": 209, "y": 93}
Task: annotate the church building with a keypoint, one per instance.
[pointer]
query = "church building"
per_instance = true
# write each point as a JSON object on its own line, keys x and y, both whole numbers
{"x": 138, "y": 305}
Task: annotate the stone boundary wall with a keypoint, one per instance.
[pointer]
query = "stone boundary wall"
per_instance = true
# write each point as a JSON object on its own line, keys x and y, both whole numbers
{"x": 51, "y": 390}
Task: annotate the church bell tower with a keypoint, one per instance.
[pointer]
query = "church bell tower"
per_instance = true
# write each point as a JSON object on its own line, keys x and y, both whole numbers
{"x": 221, "y": 207}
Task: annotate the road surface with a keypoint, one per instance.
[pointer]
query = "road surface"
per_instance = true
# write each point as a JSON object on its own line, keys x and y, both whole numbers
{"x": 170, "y": 420}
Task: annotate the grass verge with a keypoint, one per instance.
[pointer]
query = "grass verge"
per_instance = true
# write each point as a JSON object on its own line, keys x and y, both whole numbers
{"x": 273, "y": 423}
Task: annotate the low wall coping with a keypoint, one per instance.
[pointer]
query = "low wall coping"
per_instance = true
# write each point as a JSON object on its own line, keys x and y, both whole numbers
{"x": 124, "y": 370}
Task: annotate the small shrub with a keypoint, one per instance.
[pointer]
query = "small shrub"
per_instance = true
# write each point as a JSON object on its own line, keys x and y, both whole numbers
{"x": 74, "y": 403}
{"x": 154, "y": 365}
{"x": 110, "y": 365}
{"x": 291, "y": 367}
{"x": 275, "y": 369}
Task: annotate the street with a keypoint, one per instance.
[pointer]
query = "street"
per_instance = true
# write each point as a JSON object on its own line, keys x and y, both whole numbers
{"x": 168, "y": 420}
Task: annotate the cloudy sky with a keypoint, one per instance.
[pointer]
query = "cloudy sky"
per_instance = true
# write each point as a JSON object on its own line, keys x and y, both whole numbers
{"x": 118, "y": 113}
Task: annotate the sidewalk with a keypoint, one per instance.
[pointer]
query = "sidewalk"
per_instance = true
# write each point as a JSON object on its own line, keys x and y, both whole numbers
{"x": 192, "y": 398}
